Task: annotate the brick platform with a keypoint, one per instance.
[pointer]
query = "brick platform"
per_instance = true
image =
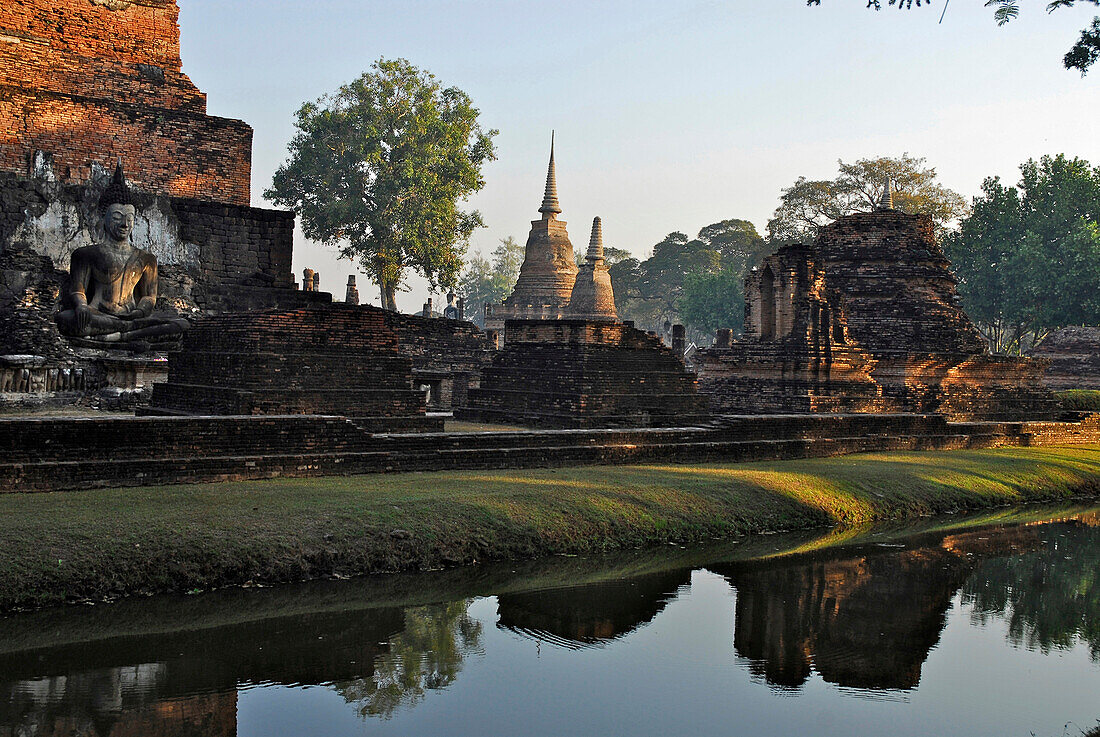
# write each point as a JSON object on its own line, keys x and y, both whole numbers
{"x": 578, "y": 373}
{"x": 326, "y": 360}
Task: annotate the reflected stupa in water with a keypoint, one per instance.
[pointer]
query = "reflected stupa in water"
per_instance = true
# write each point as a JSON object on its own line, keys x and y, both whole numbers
{"x": 580, "y": 616}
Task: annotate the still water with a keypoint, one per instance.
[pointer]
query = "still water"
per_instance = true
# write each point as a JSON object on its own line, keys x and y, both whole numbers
{"x": 986, "y": 626}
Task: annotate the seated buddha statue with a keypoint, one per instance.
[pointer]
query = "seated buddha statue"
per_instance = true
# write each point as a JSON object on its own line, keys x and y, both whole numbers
{"x": 109, "y": 299}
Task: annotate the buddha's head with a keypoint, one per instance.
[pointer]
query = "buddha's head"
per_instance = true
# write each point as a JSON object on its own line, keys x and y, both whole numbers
{"x": 117, "y": 207}
{"x": 118, "y": 221}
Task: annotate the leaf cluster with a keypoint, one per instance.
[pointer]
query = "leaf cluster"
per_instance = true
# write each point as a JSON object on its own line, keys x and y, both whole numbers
{"x": 1081, "y": 56}
{"x": 697, "y": 281}
{"x": 487, "y": 282}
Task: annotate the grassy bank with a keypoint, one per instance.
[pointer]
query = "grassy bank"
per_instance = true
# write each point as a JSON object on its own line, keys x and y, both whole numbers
{"x": 93, "y": 545}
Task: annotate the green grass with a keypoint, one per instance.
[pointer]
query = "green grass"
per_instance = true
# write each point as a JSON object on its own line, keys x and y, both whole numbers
{"x": 1080, "y": 400}
{"x": 93, "y": 545}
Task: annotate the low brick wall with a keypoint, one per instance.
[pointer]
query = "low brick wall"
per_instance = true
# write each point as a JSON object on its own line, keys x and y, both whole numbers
{"x": 61, "y": 454}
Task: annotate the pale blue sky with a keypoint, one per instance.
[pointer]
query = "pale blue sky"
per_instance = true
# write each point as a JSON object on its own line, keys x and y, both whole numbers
{"x": 669, "y": 115}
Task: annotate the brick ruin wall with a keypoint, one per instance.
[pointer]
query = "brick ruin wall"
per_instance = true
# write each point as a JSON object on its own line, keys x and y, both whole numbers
{"x": 1074, "y": 355}
{"x": 90, "y": 81}
{"x": 447, "y": 355}
{"x": 581, "y": 373}
{"x": 212, "y": 256}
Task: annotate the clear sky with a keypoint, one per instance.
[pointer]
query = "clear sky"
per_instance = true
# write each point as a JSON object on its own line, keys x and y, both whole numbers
{"x": 669, "y": 115}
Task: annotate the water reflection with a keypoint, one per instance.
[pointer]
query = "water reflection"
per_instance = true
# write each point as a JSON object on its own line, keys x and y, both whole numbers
{"x": 426, "y": 655}
{"x": 865, "y": 616}
{"x": 866, "y": 620}
{"x": 579, "y": 616}
{"x": 1051, "y": 597}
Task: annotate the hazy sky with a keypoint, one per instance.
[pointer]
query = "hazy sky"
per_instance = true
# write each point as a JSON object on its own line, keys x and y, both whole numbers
{"x": 669, "y": 115}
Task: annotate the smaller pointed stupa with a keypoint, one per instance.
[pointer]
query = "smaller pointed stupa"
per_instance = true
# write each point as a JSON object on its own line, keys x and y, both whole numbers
{"x": 592, "y": 297}
{"x": 886, "y": 201}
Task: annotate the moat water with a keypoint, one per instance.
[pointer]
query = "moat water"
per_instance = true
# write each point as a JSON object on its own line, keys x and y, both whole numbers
{"x": 981, "y": 626}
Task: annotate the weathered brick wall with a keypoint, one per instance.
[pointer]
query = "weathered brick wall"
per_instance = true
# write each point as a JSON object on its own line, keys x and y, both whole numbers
{"x": 448, "y": 355}
{"x": 895, "y": 284}
{"x": 579, "y": 373}
{"x": 89, "y": 81}
{"x": 85, "y": 453}
{"x": 216, "y": 256}
{"x": 1074, "y": 355}
{"x": 334, "y": 360}
{"x": 239, "y": 244}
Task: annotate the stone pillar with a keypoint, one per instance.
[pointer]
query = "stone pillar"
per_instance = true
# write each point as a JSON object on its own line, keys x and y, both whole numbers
{"x": 352, "y": 294}
{"x": 461, "y": 304}
{"x": 723, "y": 338}
{"x": 307, "y": 280}
{"x": 678, "y": 342}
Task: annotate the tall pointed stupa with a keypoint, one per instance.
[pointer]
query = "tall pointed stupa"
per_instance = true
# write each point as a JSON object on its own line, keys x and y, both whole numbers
{"x": 549, "y": 269}
{"x": 593, "y": 297}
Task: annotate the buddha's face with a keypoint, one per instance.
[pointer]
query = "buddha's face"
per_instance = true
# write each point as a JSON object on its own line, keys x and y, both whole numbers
{"x": 119, "y": 221}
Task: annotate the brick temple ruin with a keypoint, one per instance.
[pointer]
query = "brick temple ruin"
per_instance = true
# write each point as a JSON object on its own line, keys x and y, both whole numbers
{"x": 567, "y": 360}
{"x": 85, "y": 85}
{"x": 867, "y": 319}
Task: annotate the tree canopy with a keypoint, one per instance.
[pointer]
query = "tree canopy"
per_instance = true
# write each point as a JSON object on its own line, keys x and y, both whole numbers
{"x": 808, "y": 204}
{"x": 1082, "y": 55}
{"x": 1028, "y": 257}
{"x": 379, "y": 169}
{"x": 697, "y": 281}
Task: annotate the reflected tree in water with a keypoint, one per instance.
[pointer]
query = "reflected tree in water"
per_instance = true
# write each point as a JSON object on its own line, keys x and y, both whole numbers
{"x": 1051, "y": 597}
{"x": 427, "y": 655}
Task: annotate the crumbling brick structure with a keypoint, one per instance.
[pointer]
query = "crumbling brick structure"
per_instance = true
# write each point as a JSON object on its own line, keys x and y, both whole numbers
{"x": 867, "y": 319}
{"x": 580, "y": 373}
{"x": 1074, "y": 355}
{"x": 797, "y": 355}
{"x": 91, "y": 81}
{"x": 82, "y": 84}
{"x": 334, "y": 359}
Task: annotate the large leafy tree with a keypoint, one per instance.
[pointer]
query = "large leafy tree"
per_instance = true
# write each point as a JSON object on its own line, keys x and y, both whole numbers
{"x": 808, "y": 204}
{"x": 380, "y": 168}
{"x": 1082, "y": 55}
{"x": 1028, "y": 258}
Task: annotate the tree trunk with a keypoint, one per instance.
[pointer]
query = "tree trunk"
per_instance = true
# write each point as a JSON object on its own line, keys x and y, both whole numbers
{"x": 388, "y": 291}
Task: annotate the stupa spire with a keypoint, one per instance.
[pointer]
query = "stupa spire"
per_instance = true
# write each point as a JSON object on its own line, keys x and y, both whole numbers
{"x": 595, "y": 243}
{"x": 886, "y": 201}
{"x": 550, "y": 207}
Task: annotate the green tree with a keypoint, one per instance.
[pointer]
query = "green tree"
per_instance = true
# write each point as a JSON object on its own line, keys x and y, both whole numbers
{"x": 379, "y": 170}
{"x": 1081, "y": 55}
{"x": 807, "y": 205}
{"x": 1028, "y": 260}
{"x": 483, "y": 282}
{"x": 714, "y": 299}
{"x": 661, "y": 282}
